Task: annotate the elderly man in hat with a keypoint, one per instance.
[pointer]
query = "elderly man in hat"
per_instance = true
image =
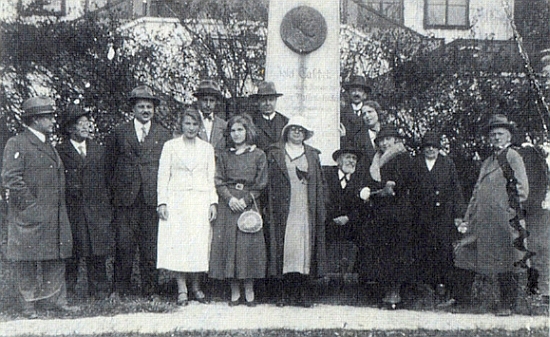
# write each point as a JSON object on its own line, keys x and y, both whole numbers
{"x": 357, "y": 91}
{"x": 88, "y": 202}
{"x": 269, "y": 122}
{"x": 132, "y": 160}
{"x": 212, "y": 130}
{"x": 39, "y": 232}
{"x": 345, "y": 210}
{"x": 438, "y": 205}
{"x": 492, "y": 223}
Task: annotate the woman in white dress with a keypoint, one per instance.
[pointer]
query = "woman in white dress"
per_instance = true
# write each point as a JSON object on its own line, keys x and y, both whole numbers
{"x": 187, "y": 205}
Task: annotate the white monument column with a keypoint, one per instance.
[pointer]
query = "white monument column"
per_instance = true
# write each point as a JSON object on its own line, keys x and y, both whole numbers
{"x": 303, "y": 59}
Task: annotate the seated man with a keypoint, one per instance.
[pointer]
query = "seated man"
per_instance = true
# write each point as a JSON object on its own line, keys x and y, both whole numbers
{"x": 344, "y": 208}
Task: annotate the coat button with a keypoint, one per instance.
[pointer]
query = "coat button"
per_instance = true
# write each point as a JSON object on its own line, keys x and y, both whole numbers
{"x": 436, "y": 192}
{"x": 437, "y": 204}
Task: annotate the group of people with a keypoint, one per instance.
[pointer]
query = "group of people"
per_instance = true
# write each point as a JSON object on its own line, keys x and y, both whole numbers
{"x": 183, "y": 200}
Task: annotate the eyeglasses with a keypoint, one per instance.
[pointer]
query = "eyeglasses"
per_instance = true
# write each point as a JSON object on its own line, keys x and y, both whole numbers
{"x": 297, "y": 129}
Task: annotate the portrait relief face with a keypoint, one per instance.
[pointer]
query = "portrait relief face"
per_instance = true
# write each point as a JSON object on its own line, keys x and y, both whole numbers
{"x": 143, "y": 110}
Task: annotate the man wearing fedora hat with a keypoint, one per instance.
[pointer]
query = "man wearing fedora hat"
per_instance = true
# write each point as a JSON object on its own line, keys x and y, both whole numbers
{"x": 212, "y": 130}
{"x": 132, "y": 159}
{"x": 357, "y": 91}
{"x": 39, "y": 232}
{"x": 269, "y": 122}
{"x": 492, "y": 222}
{"x": 88, "y": 202}
{"x": 345, "y": 210}
{"x": 438, "y": 205}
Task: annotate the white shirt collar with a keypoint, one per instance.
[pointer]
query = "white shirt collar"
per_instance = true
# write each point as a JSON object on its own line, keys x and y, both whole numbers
{"x": 269, "y": 117}
{"x": 357, "y": 106}
{"x": 77, "y": 145}
{"x": 139, "y": 125}
{"x": 430, "y": 163}
{"x": 38, "y": 134}
{"x": 341, "y": 175}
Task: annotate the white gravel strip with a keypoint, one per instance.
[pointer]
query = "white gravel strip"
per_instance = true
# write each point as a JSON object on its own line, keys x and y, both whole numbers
{"x": 220, "y": 316}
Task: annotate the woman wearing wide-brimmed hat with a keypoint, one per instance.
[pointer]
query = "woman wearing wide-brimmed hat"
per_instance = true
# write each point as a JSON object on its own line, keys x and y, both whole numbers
{"x": 487, "y": 247}
{"x": 296, "y": 221}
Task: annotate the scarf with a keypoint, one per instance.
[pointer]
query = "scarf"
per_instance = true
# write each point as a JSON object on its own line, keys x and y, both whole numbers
{"x": 380, "y": 159}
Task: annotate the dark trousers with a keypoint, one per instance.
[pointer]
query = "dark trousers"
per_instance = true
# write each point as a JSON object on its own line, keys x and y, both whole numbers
{"x": 508, "y": 284}
{"x": 98, "y": 284}
{"x": 136, "y": 227}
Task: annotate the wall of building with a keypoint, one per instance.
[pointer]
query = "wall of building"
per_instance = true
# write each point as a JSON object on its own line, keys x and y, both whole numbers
{"x": 488, "y": 20}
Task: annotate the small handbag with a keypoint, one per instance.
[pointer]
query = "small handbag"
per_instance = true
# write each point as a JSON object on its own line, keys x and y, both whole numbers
{"x": 250, "y": 221}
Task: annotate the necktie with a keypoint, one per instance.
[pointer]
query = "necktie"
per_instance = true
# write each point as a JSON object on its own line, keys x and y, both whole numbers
{"x": 143, "y": 133}
{"x": 344, "y": 181}
{"x": 207, "y": 116}
{"x": 82, "y": 151}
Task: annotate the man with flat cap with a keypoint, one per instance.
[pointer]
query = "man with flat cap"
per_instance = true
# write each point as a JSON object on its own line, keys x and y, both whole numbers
{"x": 213, "y": 127}
{"x": 39, "y": 232}
{"x": 88, "y": 203}
{"x": 345, "y": 209}
{"x": 357, "y": 90}
{"x": 269, "y": 122}
{"x": 132, "y": 160}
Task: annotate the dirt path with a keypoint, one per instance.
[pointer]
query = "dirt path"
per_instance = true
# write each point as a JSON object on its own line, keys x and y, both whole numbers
{"x": 221, "y": 317}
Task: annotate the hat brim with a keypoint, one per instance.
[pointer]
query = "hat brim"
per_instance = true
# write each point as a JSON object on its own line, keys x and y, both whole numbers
{"x": 340, "y": 152}
{"x": 203, "y": 93}
{"x": 265, "y": 95}
{"x": 509, "y": 126}
{"x": 423, "y": 145}
{"x": 308, "y": 135}
{"x": 367, "y": 88}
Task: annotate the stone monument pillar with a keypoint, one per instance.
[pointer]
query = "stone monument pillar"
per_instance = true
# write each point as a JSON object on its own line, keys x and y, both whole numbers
{"x": 303, "y": 59}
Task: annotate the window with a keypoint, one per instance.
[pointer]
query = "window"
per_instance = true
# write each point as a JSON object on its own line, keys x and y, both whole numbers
{"x": 392, "y": 9}
{"x": 446, "y": 14}
{"x": 41, "y": 7}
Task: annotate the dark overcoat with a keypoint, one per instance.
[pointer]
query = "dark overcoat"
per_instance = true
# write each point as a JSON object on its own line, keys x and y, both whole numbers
{"x": 387, "y": 240}
{"x": 358, "y": 138}
{"x": 279, "y": 204}
{"x": 269, "y": 132}
{"x": 344, "y": 202}
{"x": 133, "y": 166}
{"x": 38, "y": 225}
{"x": 352, "y": 122}
{"x": 88, "y": 198}
{"x": 437, "y": 200}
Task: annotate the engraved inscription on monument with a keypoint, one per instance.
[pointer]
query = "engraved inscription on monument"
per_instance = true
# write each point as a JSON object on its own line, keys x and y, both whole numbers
{"x": 303, "y": 29}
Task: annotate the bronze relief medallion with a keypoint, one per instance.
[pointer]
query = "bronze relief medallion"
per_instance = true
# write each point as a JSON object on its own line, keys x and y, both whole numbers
{"x": 303, "y": 29}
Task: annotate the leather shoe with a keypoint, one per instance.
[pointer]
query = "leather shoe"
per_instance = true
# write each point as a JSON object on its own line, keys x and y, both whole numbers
{"x": 199, "y": 296}
{"x": 251, "y": 304}
{"x": 234, "y": 303}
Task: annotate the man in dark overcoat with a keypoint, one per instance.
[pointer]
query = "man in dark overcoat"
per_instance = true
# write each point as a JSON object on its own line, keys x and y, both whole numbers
{"x": 345, "y": 209}
{"x": 132, "y": 159}
{"x": 88, "y": 203}
{"x": 438, "y": 203}
{"x": 213, "y": 127}
{"x": 39, "y": 232}
{"x": 268, "y": 121}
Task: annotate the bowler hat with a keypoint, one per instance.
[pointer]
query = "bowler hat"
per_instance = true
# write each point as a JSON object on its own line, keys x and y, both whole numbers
{"x": 143, "y": 92}
{"x": 431, "y": 139}
{"x": 500, "y": 121}
{"x": 73, "y": 113}
{"x": 208, "y": 87}
{"x": 357, "y": 81}
{"x": 340, "y": 152}
{"x": 298, "y": 121}
{"x": 39, "y": 105}
{"x": 266, "y": 89}
{"x": 387, "y": 131}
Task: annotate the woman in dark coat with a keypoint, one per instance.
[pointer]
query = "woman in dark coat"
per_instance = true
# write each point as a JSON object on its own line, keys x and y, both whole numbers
{"x": 438, "y": 205}
{"x": 296, "y": 227}
{"x": 241, "y": 175}
{"x": 387, "y": 249}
